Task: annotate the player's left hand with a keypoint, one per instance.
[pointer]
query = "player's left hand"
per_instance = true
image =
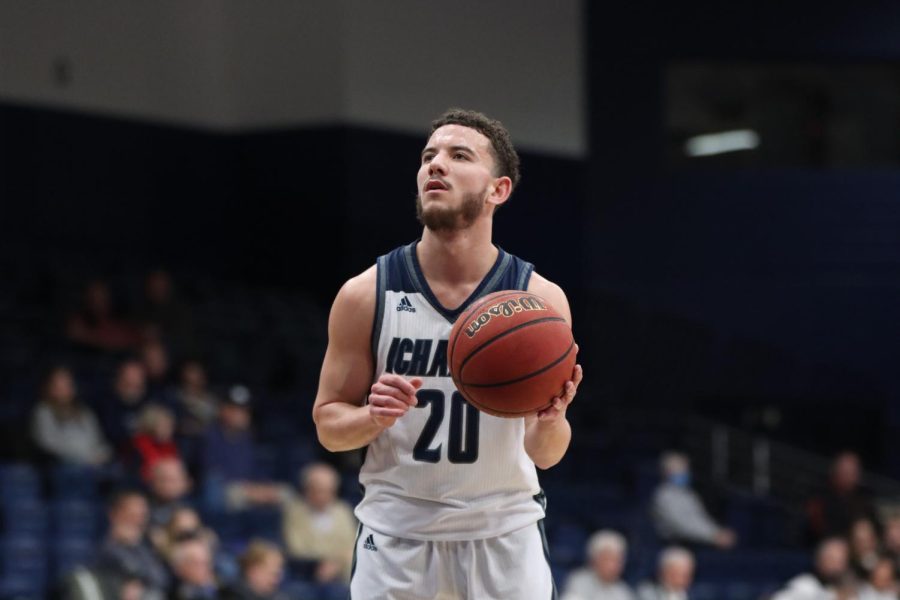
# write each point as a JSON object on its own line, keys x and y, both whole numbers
{"x": 557, "y": 410}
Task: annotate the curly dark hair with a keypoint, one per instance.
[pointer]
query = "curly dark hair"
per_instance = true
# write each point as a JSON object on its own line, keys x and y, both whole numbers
{"x": 505, "y": 158}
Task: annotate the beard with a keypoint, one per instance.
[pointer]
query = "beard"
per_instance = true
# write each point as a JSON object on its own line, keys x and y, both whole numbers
{"x": 441, "y": 218}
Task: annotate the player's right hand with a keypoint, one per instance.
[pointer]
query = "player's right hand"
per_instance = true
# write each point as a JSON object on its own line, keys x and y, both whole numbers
{"x": 391, "y": 396}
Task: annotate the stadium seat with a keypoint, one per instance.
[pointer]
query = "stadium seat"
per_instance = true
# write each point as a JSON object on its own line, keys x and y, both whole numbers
{"x": 22, "y": 517}
{"x": 73, "y": 482}
{"x": 19, "y": 482}
{"x": 68, "y": 553}
{"x": 24, "y": 560}
{"x": 75, "y": 518}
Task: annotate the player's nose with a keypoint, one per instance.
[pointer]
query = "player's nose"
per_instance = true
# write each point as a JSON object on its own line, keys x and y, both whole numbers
{"x": 437, "y": 164}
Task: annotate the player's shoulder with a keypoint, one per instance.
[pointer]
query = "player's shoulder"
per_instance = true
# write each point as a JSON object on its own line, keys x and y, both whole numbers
{"x": 542, "y": 286}
{"x": 360, "y": 288}
{"x": 356, "y": 297}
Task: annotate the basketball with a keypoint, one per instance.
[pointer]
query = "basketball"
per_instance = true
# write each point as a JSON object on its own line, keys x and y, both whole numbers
{"x": 511, "y": 353}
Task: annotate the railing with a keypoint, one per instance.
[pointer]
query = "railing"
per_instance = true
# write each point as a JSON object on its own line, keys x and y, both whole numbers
{"x": 734, "y": 458}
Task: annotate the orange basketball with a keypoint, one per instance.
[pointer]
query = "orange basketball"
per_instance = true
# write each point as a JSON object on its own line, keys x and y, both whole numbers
{"x": 511, "y": 353}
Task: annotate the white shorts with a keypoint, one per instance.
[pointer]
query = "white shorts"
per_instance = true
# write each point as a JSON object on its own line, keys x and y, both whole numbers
{"x": 513, "y": 566}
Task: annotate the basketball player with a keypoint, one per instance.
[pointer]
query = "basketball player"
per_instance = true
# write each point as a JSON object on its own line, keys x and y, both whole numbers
{"x": 451, "y": 508}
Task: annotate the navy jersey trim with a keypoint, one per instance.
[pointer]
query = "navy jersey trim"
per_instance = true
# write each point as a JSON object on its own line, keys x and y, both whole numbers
{"x": 486, "y": 286}
{"x": 525, "y": 276}
{"x": 380, "y": 288}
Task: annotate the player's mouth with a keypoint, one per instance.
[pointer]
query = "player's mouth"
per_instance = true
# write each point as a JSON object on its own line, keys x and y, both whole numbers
{"x": 436, "y": 185}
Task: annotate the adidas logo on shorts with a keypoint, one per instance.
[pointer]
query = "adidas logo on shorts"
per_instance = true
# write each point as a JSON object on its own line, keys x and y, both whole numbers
{"x": 406, "y": 305}
{"x": 369, "y": 544}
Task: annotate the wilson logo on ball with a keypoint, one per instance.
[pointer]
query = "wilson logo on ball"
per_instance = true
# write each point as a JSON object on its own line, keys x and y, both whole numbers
{"x": 504, "y": 309}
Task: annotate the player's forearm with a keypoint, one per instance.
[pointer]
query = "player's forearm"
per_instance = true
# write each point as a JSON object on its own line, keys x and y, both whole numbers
{"x": 343, "y": 426}
{"x": 546, "y": 442}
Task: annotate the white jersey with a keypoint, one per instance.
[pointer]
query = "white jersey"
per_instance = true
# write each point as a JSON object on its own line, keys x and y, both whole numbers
{"x": 444, "y": 471}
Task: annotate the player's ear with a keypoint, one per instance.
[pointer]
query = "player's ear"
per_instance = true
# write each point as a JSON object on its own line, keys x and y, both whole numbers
{"x": 500, "y": 191}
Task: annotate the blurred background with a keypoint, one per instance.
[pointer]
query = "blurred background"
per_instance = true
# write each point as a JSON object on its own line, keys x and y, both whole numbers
{"x": 185, "y": 185}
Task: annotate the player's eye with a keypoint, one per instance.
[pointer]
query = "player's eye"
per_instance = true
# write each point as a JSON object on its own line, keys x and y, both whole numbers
{"x": 461, "y": 156}
{"x": 427, "y": 157}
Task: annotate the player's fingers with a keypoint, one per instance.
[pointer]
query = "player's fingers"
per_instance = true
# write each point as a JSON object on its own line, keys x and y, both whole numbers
{"x": 386, "y": 412}
{"x": 569, "y": 395}
{"x": 382, "y": 401}
{"x": 416, "y": 382}
{"x": 577, "y": 375}
{"x": 389, "y": 390}
{"x": 398, "y": 382}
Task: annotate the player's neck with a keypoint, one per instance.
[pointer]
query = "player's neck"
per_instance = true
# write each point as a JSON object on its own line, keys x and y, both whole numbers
{"x": 457, "y": 257}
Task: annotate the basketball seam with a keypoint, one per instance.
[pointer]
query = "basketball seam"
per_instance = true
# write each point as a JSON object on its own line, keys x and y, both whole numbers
{"x": 466, "y": 316}
{"x": 487, "y": 343}
{"x": 524, "y": 377}
{"x": 499, "y": 413}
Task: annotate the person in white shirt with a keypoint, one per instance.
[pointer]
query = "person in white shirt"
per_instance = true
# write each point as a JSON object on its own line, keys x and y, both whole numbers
{"x": 601, "y": 580}
{"x": 882, "y": 583}
{"x": 831, "y": 574}
{"x": 678, "y": 512}
{"x": 676, "y": 573}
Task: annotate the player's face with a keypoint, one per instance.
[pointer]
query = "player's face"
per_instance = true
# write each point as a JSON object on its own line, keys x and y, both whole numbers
{"x": 455, "y": 178}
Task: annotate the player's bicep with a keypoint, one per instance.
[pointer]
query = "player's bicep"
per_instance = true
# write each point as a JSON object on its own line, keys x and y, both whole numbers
{"x": 348, "y": 365}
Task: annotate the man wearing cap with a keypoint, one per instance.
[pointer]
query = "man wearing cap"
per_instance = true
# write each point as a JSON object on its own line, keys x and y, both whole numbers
{"x": 227, "y": 458}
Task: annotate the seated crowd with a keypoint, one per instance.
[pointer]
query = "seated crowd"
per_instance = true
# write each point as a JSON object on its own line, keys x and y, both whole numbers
{"x": 168, "y": 453}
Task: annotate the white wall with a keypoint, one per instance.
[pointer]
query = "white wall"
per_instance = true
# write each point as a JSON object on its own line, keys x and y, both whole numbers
{"x": 519, "y": 61}
{"x": 160, "y": 60}
{"x": 239, "y": 64}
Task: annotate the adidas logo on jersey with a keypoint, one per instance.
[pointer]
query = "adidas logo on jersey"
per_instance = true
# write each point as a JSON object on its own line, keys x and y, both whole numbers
{"x": 406, "y": 305}
{"x": 369, "y": 544}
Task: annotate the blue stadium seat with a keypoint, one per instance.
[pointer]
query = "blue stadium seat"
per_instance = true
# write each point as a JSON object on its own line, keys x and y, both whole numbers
{"x": 299, "y": 590}
{"x": 73, "y": 482}
{"x": 68, "y": 553}
{"x": 741, "y": 590}
{"x": 705, "y": 591}
{"x": 76, "y": 518}
{"x": 265, "y": 462}
{"x": 24, "y": 558}
{"x": 22, "y": 517}
{"x": 19, "y": 482}
{"x": 262, "y": 523}
{"x": 22, "y": 586}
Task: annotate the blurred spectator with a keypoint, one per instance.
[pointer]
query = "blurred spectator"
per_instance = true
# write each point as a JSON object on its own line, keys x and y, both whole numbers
{"x": 155, "y": 360}
{"x": 834, "y": 511}
{"x": 192, "y": 567}
{"x": 89, "y": 584}
{"x": 183, "y": 522}
{"x": 154, "y": 439}
{"x": 892, "y": 539}
{"x": 262, "y": 567}
{"x": 227, "y": 464}
{"x": 196, "y": 405}
{"x": 170, "y": 487}
{"x": 602, "y": 580}
{"x": 882, "y": 582}
{"x": 865, "y": 551}
{"x": 678, "y": 512}
{"x": 320, "y": 527}
{"x": 676, "y": 573}
{"x": 165, "y": 315}
{"x": 63, "y": 427}
{"x": 95, "y": 326}
{"x": 119, "y": 411}
{"x": 125, "y": 554}
{"x": 831, "y": 574}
